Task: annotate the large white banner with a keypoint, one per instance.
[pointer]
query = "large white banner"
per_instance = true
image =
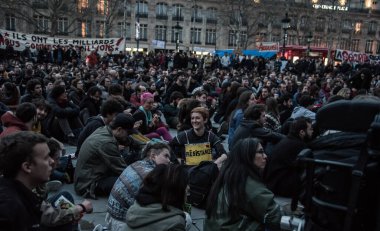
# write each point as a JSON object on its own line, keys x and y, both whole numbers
{"x": 19, "y": 40}
{"x": 350, "y": 56}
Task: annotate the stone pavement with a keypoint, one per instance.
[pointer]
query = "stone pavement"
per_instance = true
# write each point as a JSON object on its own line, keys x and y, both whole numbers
{"x": 100, "y": 205}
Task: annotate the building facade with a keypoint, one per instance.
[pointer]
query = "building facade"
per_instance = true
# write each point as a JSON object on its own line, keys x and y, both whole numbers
{"x": 208, "y": 25}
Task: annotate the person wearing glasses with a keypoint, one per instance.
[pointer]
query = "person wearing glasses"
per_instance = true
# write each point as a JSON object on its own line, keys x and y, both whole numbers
{"x": 127, "y": 185}
{"x": 239, "y": 200}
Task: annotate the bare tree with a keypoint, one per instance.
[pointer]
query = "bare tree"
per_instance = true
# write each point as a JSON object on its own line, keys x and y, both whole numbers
{"x": 30, "y": 11}
{"x": 241, "y": 17}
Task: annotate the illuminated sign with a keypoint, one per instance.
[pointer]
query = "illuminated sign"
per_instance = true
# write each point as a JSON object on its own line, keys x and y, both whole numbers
{"x": 330, "y": 7}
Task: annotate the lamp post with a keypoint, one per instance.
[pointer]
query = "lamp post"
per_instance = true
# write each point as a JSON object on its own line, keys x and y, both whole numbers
{"x": 177, "y": 28}
{"x": 309, "y": 38}
{"x": 285, "y": 26}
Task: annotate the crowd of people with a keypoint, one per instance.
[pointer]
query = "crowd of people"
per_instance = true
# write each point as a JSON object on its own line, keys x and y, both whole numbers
{"x": 112, "y": 106}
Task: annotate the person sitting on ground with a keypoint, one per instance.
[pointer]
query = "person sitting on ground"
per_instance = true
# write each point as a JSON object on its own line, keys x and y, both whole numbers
{"x": 239, "y": 200}
{"x": 197, "y": 144}
{"x": 64, "y": 123}
{"x": 129, "y": 182}
{"x": 99, "y": 162}
{"x": 43, "y": 109}
{"x": 34, "y": 91}
{"x": 90, "y": 105}
{"x": 151, "y": 126}
{"x": 25, "y": 164}
{"x": 160, "y": 201}
{"x": 64, "y": 216}
{"x": 305, "y": 104}
{"x": 171, "y": 109}
{"x": 253, "y": 126}
{"x": 281, "y": 174}
{"x": 108, "y": 111}
{"x": 23, "y": 119}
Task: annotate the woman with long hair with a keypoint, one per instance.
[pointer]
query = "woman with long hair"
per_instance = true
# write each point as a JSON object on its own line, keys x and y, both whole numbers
{"x": 160, "y": 201}
{"x": 239, "y": 200}
{"x": 272, "y": 115}
{"x": 237, "y": 114}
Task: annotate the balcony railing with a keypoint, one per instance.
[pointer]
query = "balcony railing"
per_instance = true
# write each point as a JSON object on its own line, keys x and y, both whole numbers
{"x": 197, "y": 19}
{"x": 40, "y": 5}
{"x": 177, "y": 18}
{"x": 162, "y": 17}
{"x": 142, "y": 14}
{"x": 211, "y": 21}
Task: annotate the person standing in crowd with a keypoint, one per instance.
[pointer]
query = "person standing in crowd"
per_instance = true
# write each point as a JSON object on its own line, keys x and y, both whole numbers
{"x": 160, "y": 201}
{"x": 129, "y": 182}
{"x": 198, "y": 139}
{"x": 239, "y": 200}
{"x": 171, "y": 109}
{"x": 281, "y": 174}
{"x": 99, "y": 161}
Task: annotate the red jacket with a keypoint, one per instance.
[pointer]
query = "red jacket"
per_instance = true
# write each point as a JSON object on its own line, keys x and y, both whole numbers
{"x": 12, "y": 124}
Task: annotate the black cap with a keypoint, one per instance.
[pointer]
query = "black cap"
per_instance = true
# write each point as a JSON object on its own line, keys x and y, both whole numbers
{"x": 123, "y": 120}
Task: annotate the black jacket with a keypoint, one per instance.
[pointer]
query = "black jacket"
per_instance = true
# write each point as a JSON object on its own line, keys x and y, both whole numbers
{"x": 19, "y": 207}
{"x": 251, "y": 128}
{"x": 281, "y": 174}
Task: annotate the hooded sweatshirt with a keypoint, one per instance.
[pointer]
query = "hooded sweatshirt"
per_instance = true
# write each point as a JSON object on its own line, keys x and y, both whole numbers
{"x": 152, "y": 217}
{"x": 12, "y": 124}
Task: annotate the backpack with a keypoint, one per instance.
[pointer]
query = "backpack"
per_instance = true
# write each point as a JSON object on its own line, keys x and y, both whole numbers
{"x": 201, "y": 179}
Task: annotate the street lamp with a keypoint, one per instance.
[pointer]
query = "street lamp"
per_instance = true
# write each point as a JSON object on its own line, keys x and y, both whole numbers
{"x": 285, "y": 26}
{"x": 309, "y": 38}
{"x": 177, "y": 28}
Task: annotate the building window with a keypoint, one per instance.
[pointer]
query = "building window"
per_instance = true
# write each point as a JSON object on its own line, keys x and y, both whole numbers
{"x": 10, "y": 22}
{"x": 211, "y": 15}
{"x": 236, "y": 39}
{"x": 378, "y": 47}
{"x": 161, "y": 9}
{"x": 143, "y": 32}
{"x": 344, "y": 44}
{"x": 291, "y": 39}
{"x": 161, "y": 33}
{"x": 243, "y": 38}
{"x": 372, "y": 27}
{"x": 102, "y": 7}
{"x": 195, "y": 35}
{"x": 176, "y": 32}
{"x": 196, "y": 15}
{"x": 320, "y": 25}
{"x": 100, "y": 29}
{"x": 42, "y": 24}
{"x": 84, "y": 29}
{"x": 177, "y": 12}
{"x": 63, "y": 26}
{"x": 124, "y": 32}
{"x": 82, "y": 5}
{"x": 142, "y": 9}
{"x": 368, "y": 46}
{"x": 210, "y": 37}
{"x": 318, "y": 41}
{"x": 355, "y": 45}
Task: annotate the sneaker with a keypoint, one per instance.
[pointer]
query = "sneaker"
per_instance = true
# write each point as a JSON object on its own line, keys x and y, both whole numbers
{"x": 99, "y": 227}
{"x": 53, "y": 185}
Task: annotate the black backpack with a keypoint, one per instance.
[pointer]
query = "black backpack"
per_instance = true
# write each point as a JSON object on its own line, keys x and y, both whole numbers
{"x": 201, "y": 179}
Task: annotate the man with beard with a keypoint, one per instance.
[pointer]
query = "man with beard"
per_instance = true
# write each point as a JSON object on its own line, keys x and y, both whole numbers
{"x": 99, "y": 162}
{"x": 34, "y": 91}
{"x": 281, "y": 174}
{"x": 178, "y": 85}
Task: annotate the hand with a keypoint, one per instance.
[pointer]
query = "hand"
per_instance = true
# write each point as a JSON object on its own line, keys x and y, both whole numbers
{"x": 88, "y": 205}
{"x": 137, "y": 124}
{"x": 219, "y": 162}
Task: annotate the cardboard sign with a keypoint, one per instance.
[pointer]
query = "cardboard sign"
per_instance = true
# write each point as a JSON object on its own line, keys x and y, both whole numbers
{"x": 196, "y": 153}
